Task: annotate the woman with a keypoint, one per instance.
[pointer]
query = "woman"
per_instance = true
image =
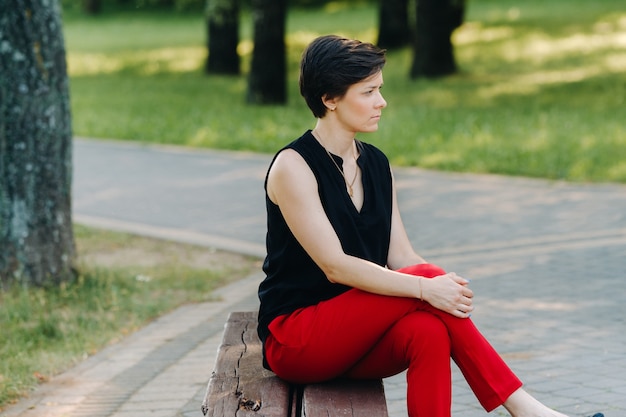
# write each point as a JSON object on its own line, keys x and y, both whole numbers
{"x": 345, "y": 294}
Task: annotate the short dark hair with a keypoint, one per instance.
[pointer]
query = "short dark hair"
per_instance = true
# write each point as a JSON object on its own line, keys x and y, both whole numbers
{"x": 331, "y": 64}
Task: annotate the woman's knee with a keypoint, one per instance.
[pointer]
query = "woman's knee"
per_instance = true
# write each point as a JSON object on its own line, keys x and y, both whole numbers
{"x": 424, "y": 334}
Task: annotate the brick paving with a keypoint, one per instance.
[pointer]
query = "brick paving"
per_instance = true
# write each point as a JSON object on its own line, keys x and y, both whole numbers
{"x": 546, "y": 260}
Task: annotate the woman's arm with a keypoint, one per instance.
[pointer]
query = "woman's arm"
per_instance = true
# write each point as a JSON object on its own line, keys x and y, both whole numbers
{"x": 439, "y": 291}
{"x": 292, "y": 186}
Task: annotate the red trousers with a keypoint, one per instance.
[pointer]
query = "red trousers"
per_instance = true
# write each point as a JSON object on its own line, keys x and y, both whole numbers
{"x": 363, "y": 335}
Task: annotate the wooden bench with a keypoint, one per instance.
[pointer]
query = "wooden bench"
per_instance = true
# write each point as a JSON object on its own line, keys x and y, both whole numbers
{"x": 241, "y": 387}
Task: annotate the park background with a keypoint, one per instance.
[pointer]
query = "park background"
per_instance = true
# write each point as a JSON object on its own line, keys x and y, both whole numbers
{"x": 540, "y": 92}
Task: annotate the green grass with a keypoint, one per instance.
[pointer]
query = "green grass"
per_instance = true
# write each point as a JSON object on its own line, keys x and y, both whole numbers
{"x": 541, "y": 91}
{"x": 125, "y": 281}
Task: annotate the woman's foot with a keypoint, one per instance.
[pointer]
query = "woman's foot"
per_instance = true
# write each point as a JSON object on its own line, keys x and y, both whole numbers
{"x": 522, "y": 404}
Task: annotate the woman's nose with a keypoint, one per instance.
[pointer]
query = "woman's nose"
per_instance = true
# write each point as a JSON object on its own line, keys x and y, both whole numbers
{"x": 382, "y": 103}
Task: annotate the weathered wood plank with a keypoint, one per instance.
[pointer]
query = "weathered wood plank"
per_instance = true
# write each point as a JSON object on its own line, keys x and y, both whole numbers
{"x": 221, "y": 399}
{"x": 265, "y": 393}
{"x": 240, "y": 386}
{"x": 339, "y": 398}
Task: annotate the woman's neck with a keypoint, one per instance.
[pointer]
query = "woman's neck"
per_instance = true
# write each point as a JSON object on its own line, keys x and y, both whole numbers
{"x": 335, "y": 141}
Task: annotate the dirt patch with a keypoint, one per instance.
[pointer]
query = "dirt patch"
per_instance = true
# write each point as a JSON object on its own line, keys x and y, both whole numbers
{"x": 146, "y": 256}
{"x": 116, "y": 250}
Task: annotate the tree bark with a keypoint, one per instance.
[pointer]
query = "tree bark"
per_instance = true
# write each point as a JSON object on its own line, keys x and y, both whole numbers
{"x": 267, "y": 82}
{"x": 222, "y": 37}
{"x": 36, "y": 238}
{"x": 394, "y": 30}
{"x": 433, "y": 53}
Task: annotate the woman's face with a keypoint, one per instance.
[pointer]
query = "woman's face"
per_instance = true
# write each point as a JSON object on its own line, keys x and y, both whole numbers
{"x": 360, "y": 108}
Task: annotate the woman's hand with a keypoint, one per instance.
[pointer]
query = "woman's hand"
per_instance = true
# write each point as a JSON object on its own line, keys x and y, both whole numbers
{"x": 448, "y": 293}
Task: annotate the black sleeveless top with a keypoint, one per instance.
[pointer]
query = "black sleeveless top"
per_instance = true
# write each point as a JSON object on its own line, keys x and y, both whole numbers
{"x": 293, "y": 280}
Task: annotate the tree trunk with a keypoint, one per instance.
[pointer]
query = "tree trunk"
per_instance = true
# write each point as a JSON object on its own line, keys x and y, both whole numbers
{"x": 394, "y": 30}
{"x": 35, "y": 146}
{"x": 223, "y": 37}
{"x": 433, "y": 54}
{"x": 267, "y": 82}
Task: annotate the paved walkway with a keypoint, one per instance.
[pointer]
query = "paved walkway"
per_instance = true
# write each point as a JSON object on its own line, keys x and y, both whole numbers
{"x": 547, "y": 262}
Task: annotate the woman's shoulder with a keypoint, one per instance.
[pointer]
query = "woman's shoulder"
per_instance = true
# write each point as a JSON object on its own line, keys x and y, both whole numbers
{"x": 289, "y": 171}
{"x": 302, "y": 151}
{"x": 307, "y": 147}
{"x": 295, "y": 150}
{"x": 288, "y": 159}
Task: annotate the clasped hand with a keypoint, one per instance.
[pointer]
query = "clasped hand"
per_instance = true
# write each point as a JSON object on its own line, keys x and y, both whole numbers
{"x": 449, "y": 293}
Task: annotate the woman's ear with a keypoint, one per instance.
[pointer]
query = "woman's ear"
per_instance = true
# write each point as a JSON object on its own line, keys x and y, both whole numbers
{"x": 330, "y": 103}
